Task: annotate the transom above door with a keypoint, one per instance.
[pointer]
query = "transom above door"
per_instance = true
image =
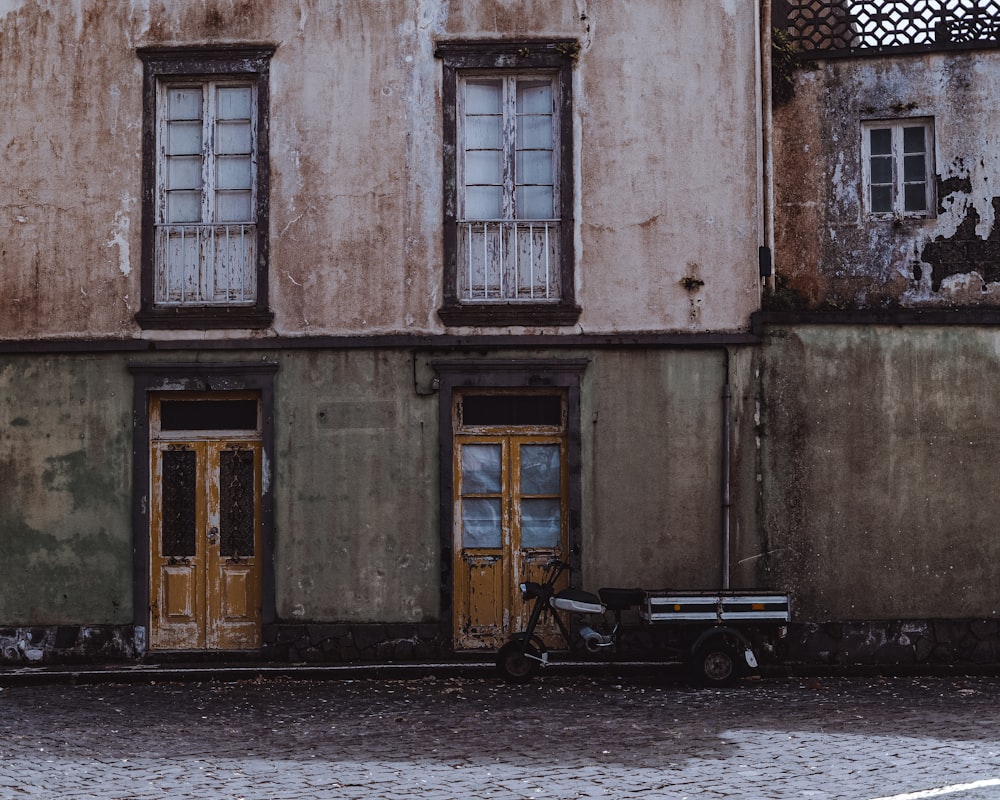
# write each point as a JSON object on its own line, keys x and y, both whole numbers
{"x": 511, "y": 506}
{"x": 205, "y": 521}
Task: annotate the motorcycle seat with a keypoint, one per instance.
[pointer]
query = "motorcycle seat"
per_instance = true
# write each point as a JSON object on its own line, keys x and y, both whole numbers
{"x": 577, "y": 600}
{"x": 621, "y": 599}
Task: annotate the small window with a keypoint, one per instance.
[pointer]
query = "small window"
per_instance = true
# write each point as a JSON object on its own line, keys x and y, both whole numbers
{"x": 207, "y": 415}
{"x": 898, "y": 168}
{"x": 205, "y": 204}
{"x": 508, "y": 237}
{"x": 511, "y": 409}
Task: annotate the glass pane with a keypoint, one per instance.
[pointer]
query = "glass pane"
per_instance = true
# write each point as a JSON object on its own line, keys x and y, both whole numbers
{"x": 234, "y": 102}
{"x": 534, "y": 202}
{"x": 184, "y": 172}
{"x": 483, "y": 97}
{"x": 482, "y": 133}
{"x": 539, "y": 523}
{"x": 913, "y": 140}
{"x": 881, "y": 141}
{"x": 534, "y": 97}
{"x": 881, "y": 199}
{"x": 483, "y": 202}
{"x": 483, "y": 167}
{"x": 183, "y": 138}
{"x": 481, "y": 523}
{"x": 507, "y": 409}
{"x": 534, "y": 166}
{"x": 534, "y": 133}
{"x": 540, "y": 469}
{"x": 183, "y": 207}
{"x": 915, "y": 197}
{"x": 913, "y": 168}
{"x": 232, "y": 207}
{"x": 208, "y": 415}
{"x": 184, "y": 103}
{"x": 233, "y": 172}
{"x": 236, "y": 503}
{"x": 480, "y": 468}
{"x": 178, "y": 504}
{"x": 232, "y": 138}
{"x": 881, "y": 170}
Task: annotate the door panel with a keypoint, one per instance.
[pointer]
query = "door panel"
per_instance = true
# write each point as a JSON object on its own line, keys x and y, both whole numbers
{"x": 233, "y": 617}
{"x": 177, "y": 569}
{"x": 205, "y": 529}
{"x": 482, "y": 580}
{"x": 510, "y": 520}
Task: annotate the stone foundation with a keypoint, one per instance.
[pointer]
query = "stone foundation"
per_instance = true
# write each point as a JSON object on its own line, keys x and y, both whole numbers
{"x": 911, "y": 643}
{"x": 70, "y": 644}
{"x": 345, "y": 643}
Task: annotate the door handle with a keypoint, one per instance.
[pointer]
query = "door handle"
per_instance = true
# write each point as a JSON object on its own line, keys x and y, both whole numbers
{"x": 213, "y": 533}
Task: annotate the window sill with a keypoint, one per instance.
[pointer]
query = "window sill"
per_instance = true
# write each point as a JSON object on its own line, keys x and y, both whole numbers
{"x": 204, "y": 317}
{"x": 498, "y": 315}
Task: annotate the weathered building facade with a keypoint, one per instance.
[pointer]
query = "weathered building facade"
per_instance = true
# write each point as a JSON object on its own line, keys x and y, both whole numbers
{"x": 324, "y": 324}
{"x": 879, "y": 360}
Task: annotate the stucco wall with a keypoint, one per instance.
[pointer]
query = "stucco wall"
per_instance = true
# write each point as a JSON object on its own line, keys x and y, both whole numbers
{"x": 666, "y": 127}
{"x": 652, "y": 436}
{"x": 879, "y": 469}
{"x": 354, "y": 481}
{"x": 357, "y": 493}
{"x": 828, "y": 252}
{"x": 65, "y": 494}
{"x": 356, "y": 489}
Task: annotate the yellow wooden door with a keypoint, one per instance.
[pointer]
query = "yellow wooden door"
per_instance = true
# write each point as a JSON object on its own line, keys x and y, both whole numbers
{"x": 510, "y": 520}
{"x": 205, "y": 539}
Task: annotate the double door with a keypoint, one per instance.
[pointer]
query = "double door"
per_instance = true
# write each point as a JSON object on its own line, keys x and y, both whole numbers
{"x": 205, "y": 541}
{"x": 510, "y": 520}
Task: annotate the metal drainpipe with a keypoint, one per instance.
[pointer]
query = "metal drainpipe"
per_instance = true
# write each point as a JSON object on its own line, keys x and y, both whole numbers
{"x": 767, "y": 132}
{"x": 726, "y": 456}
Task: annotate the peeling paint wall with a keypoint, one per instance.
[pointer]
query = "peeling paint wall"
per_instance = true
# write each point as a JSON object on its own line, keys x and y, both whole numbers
{"x": 828, "y": 252}
{"x": 666, "y": 125}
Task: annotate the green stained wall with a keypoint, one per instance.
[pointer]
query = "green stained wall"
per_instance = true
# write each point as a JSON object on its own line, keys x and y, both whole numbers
{"x": 354, "y": 479}
{"x": 355, "y": 489}
{"x": 356, "y": 485}
{"x": 879, "y": 460}
{"x": 652, "y": 434}
{"x": 65, "y": 491}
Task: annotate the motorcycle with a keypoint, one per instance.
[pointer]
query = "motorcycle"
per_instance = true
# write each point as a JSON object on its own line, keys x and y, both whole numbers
{"x": 704, "y": 634}
{"x": 521, "y": 657}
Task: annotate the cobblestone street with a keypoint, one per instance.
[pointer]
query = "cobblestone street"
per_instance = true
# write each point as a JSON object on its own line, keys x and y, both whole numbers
{"x": 562, "y": 737}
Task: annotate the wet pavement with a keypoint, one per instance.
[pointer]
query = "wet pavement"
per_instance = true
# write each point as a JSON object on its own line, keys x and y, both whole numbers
{"x": 563, "y": 737}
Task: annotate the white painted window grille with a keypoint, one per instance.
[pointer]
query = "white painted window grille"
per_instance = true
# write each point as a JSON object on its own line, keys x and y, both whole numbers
{"x": 840, "y": 27}
{"x": 205, "y": 237}
{"x": 898, "y": 168}
{"x": 509, "y": 216}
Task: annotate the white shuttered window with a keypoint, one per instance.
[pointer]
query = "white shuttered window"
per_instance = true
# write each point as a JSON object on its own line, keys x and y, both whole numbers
{"x": 205, "y": 233}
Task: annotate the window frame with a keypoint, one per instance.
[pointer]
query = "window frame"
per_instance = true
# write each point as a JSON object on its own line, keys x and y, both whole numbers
{"x": 245, "y": 64}
{"x": 897, "y": 153}
{"x": 504, "y": 59}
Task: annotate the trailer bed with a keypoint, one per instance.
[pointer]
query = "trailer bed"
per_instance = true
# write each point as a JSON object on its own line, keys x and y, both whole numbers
{"x": 715, "y": 607}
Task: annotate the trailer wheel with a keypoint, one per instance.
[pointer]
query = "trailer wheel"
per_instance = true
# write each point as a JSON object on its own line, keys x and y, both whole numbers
{"x": 518, "y": 662}
{"x": 715, "y": 663}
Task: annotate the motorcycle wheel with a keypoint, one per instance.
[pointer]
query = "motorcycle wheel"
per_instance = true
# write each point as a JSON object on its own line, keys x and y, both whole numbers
{"x": 514, "y": 664}
{"x": 715, "y": 663}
